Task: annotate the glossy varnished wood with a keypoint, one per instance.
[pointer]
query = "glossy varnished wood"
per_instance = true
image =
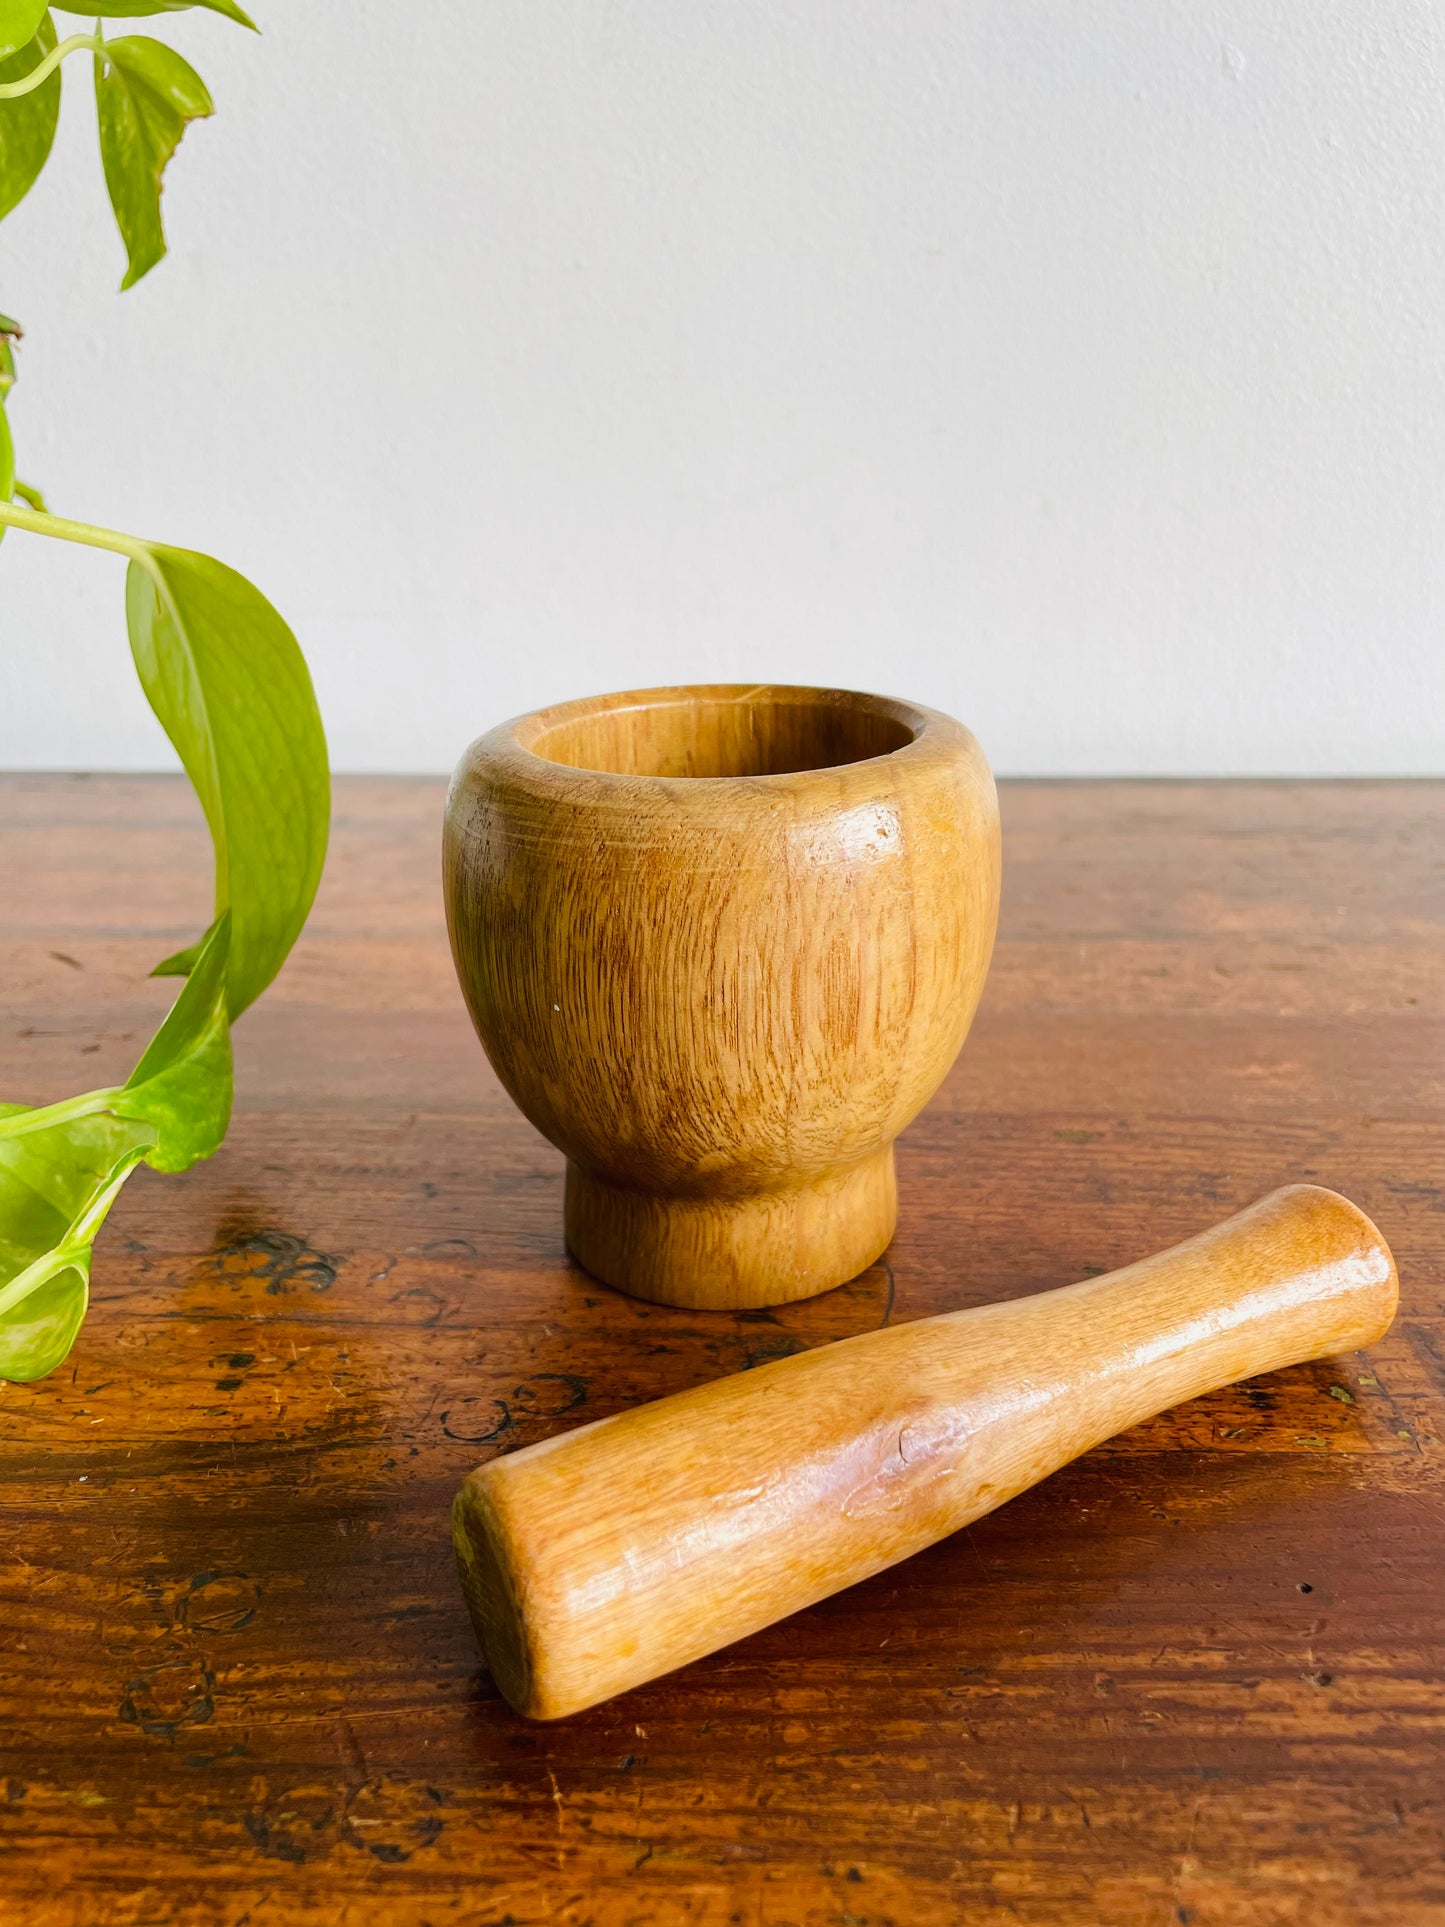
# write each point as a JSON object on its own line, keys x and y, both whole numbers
{"x": 238, "y": 1677}
{"x": 609, "y": 1555}
{"x": 722, "y": 943}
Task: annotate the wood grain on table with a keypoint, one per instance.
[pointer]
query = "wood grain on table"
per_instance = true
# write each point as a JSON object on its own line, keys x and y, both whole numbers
{"x": 1197, "y": 1678}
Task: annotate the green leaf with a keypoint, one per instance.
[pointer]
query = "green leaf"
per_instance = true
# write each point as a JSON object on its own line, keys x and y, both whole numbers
{"x": 135, "y": 9}
{"x": 39, "y": 1332}
{"x": 146, "y": 96}
{"x": 19, "y": 23}
{"x": 180, "y": 963}
{"x": 27, "y": 123}
{"x": 182, "y": 1085}
{"x": 56, "y": 1186}
{"x": 231, "y": 688}
{"x": 61, "y": 1169}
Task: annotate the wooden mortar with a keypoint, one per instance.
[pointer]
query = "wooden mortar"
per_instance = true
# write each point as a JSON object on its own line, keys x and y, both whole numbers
{"x": 721, "y": 944}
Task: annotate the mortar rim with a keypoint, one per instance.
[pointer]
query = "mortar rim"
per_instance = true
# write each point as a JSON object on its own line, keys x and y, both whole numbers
{"x": 934, "y": 733}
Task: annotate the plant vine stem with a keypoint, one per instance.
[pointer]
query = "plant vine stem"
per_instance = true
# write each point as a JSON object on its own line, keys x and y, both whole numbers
{"x": 88, "y": 1104}
{"x": 12, "y": 515}
{"x": 41, "y": 72}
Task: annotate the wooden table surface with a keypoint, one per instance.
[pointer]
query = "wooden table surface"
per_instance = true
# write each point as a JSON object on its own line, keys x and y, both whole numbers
{"x": 1196, "y": 1678}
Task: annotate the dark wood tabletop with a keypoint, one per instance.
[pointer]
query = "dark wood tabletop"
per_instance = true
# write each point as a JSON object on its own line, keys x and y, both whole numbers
{"x": 1197, "y": 1679}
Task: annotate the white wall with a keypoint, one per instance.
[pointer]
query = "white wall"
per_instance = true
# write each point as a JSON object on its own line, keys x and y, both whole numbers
{"x": 1076, "y": 365}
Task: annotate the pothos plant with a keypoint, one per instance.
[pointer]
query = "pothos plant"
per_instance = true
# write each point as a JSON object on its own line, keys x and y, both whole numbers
{"x": 224, "y": 675}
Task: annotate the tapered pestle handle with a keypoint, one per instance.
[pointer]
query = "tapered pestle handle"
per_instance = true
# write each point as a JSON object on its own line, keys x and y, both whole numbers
{"x": 606, "y": 1556}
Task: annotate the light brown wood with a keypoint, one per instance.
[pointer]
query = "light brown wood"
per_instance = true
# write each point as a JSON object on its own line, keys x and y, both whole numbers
{"x": 599, "y": 1559}
{"x": 1194, "y": 1676}
{"x": 722, "y": 945}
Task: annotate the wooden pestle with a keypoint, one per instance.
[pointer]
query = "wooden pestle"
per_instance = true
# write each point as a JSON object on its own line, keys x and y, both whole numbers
{"x": 601, "y": 1558}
